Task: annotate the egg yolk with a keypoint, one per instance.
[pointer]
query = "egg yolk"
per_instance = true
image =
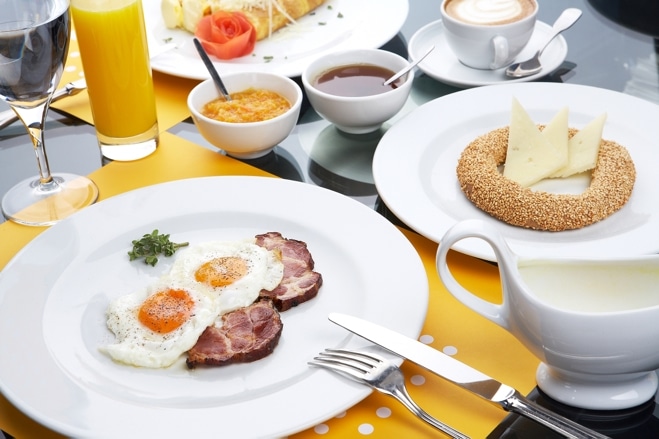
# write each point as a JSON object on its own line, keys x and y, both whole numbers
{"x": 220, "y": 272}
{"x": 166, "y": 310}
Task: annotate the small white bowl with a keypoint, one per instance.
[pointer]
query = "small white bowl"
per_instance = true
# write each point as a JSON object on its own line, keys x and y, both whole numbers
{"x": 357, "y": 115}
{"x": 247, "y": 140}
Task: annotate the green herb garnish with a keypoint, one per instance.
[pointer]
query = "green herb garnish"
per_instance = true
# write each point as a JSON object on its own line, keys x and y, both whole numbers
{"x": 151, "y": 245}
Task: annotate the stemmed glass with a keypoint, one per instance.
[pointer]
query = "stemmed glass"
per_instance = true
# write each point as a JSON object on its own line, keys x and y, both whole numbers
{"x": 34, "y": 42}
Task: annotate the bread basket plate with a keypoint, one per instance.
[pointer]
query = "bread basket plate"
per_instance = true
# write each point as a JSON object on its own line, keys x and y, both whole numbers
{"x": 414, "y": 167}
{"x": 54, "y": 292}
{"x": 334, "y": 25}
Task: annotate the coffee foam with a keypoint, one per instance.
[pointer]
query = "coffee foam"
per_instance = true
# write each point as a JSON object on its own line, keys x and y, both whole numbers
{"x": 489, "y": 11}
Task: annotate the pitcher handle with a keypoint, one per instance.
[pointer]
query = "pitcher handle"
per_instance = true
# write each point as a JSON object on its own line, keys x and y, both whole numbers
{"x": 504, "y": 257}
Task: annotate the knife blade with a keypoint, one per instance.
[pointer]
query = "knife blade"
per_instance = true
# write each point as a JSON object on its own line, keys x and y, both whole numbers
{"x": 463, "y": 375}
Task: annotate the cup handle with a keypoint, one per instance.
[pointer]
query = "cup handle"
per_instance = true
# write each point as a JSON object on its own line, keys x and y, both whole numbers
{"x": 505, "y": 258}
{"x": 501, "y": 52}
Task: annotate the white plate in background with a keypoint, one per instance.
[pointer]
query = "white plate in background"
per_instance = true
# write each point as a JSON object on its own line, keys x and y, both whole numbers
{"x": 334, "y": 25}
{"x": 414, "y": 166}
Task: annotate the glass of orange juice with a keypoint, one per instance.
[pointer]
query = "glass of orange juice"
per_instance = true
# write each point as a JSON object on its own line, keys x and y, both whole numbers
{"x": 113, "y": 46}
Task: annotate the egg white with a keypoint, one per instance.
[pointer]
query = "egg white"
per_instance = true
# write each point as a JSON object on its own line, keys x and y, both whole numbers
{"x": 138, "y": 345}
{"x": 265, "y": 270}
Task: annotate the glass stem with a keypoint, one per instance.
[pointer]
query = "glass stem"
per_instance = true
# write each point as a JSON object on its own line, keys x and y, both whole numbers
{"x": 34, "y": 119}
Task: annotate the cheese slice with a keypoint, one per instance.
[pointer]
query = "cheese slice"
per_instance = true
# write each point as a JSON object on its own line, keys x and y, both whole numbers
{"x": 530, "y": 156}
{"x": 556, "y": 131}
{"x": 583, "y": 149}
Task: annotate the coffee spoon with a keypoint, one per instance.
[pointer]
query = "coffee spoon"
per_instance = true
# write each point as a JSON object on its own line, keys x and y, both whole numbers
{"x": 408, "y": 68}
{"x": 532, "y": 65}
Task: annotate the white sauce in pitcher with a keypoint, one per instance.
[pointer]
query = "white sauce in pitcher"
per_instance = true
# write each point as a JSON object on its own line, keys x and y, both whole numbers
{"x": 593, "y": 287}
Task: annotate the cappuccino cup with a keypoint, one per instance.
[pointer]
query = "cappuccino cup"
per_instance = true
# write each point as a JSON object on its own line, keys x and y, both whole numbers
{"x": 592, "y": 323}
{"x": 488, "y": 34}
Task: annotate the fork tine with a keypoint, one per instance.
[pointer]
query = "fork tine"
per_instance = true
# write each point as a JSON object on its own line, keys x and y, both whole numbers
{"x": 361, "y": 362}
{"x": 345, "y": 369}
{"x": 355, "y": 355}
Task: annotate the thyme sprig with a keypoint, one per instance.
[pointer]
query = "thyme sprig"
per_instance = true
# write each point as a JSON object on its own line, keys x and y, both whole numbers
{"x": 153, "y": 244}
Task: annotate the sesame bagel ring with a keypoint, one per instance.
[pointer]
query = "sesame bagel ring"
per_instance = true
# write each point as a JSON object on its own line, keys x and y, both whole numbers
{"x": 481, "y": 181}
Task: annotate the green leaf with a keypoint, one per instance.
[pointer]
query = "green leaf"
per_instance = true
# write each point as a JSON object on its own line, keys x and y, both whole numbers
{"x": 151, "y": 245}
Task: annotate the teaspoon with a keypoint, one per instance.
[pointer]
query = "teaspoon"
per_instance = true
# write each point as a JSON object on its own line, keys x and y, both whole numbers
{"x": 408, "y": 68}
{"x": 532, "y": 65}
{"x": 211, "y": 69}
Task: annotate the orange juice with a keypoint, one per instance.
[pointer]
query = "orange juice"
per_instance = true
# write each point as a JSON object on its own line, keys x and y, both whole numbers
{"x": 112, "y": 40}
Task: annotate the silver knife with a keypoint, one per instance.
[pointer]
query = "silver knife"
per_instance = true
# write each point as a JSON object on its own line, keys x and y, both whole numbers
{"x": 463, "y": 375}
{"x": 72, "y": 88}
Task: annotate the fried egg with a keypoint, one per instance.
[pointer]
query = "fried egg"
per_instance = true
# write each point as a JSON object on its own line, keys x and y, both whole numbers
{"x": 154, "y": 326}
{"x": 235, "y": 270}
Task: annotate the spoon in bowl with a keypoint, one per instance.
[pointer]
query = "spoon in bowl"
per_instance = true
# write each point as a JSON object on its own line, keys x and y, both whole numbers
{"x": 211, "y": 69}
{"x": 408, "y": 68}
{"x": 532, "y": 65}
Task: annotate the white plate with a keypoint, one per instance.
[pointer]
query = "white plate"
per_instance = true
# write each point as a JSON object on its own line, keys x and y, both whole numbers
{"x": 346, "y": 24}
{"x": 443, "y": 65}
{"x": 414, "y": 167}
{"x": 54, "y": 292}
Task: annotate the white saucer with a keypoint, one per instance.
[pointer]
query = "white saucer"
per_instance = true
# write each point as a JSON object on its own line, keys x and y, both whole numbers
{"x": 443, "y": 65}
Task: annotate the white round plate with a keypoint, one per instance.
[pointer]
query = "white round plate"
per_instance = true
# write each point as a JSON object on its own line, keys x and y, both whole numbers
{"x": 334, "y": 25}
{"x": 414, "y": 167}
{"x": 54, "y": 293}
{"x": 443, "y": 65}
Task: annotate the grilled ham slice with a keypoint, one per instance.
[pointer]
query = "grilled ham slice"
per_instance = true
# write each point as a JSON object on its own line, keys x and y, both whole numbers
{"x": 300, "y": 282}
{"x": 241, "y": 336}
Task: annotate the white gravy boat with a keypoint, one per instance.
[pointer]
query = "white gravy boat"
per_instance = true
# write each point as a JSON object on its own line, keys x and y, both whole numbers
{"x": 593, "y": 323}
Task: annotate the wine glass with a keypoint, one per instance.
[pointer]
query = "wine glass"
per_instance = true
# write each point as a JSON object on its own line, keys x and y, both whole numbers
{"x": 34, "y": 42}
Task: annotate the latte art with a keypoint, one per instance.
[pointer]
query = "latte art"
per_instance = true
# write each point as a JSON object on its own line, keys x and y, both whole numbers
{"x": 489, "y": 12}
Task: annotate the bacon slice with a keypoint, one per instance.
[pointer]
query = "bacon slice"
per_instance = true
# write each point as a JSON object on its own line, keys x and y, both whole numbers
{"x": 244, "y": 335}
{"x": 300, "y": 282}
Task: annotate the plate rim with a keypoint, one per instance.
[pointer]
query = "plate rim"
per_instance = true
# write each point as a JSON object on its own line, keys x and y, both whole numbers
{"x": 558, "y": 43}
{"x": 351, "y": 393}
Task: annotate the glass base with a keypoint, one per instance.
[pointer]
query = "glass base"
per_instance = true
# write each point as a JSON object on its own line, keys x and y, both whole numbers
{"x": 34, "y": 204}
{"x": 126, "y": 149}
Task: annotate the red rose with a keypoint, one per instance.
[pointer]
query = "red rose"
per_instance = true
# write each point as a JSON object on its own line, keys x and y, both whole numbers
{"x": 226, "y": 35}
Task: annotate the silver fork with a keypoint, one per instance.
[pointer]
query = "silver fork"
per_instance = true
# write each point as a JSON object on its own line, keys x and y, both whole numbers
{"x": 380, "y": 374}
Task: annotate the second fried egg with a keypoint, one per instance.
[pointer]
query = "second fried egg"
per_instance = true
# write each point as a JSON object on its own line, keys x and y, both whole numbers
{"x": 234, "y": 270}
